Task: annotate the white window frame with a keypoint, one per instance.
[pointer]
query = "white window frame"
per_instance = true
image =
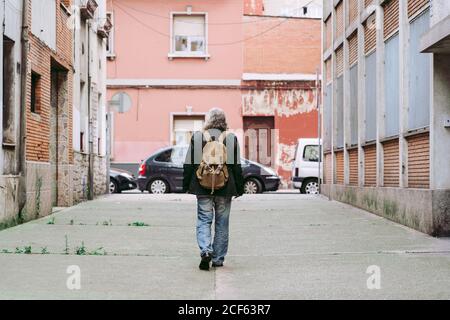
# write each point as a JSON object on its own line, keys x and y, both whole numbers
{"x": 173, "y": 54}
{"x": 111, "y": 52}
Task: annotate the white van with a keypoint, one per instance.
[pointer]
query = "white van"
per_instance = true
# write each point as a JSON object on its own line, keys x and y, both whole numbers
{"x": 305, "y": 166}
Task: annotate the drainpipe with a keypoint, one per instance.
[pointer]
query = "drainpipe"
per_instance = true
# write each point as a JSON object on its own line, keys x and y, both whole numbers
{"x": 91, "y": 142}
{"x": 22, "y": 168}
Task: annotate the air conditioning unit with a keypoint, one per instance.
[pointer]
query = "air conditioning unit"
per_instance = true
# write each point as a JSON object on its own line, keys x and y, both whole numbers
{"x": 87, "y": 9}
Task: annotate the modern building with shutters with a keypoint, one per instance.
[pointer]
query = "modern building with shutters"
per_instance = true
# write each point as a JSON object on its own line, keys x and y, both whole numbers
{"x": 385, "y": 134}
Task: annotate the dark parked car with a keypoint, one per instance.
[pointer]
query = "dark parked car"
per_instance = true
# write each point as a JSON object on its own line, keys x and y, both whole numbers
{"x": 121, "y": 180}
{"x": 162, "y": 172}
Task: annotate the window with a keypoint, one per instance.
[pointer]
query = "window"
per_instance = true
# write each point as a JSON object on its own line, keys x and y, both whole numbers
{"x": 392, "y": 86}
{"x": 354, "y": 105}
{"x": 110, "y": 41}
{"x": 189, "y": 35}
{"x": 311, "y": 153}
{"x": 35, "y": 92}
{"x": 184, "y": 127}
{"x": 371, "y": 97}
{"x": 419, "y": 75}
{"x": 165, "y": 156}
{"x": 339, "y": 119}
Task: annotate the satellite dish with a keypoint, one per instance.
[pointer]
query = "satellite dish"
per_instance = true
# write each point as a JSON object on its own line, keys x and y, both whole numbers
{"x": 120, "y": 102}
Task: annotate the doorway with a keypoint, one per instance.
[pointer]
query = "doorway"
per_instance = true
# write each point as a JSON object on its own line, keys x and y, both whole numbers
{"x": 59, "y": 134}
{"x": 258, "y": 136}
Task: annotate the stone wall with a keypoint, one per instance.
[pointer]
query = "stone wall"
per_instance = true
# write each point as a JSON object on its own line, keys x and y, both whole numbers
{"x": 9, "y": 206}
{"x": 100, "y": 179}
{"x": 39, "y": 191}
{"x": 80, "y": 177}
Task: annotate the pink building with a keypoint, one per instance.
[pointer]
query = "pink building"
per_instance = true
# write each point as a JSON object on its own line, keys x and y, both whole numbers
{"x": 176, "y": 60}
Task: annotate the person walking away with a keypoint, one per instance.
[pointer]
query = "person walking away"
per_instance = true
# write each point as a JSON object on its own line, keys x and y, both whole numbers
{"x": 213, "y": 172}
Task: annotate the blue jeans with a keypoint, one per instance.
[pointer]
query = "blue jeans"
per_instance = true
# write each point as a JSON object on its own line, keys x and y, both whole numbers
{"x": 209, "y": 207}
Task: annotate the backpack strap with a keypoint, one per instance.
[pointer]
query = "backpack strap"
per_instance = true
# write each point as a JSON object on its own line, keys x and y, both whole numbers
{"x": 223, "y": 136}
{"x": 207, "y": 136}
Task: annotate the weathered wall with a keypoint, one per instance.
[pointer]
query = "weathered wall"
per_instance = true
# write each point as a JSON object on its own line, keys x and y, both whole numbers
{"x": 9, "y": 186}
{"x": 293, "y": 104}
{"x": 39, "y": 191}
{"x": 80, "y": 177}
{"x": 424, "y": 210}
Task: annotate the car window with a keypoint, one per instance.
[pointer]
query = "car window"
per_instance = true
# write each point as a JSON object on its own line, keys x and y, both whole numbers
{"x": 164, "y": 156}
{"x": 311, "y": 153}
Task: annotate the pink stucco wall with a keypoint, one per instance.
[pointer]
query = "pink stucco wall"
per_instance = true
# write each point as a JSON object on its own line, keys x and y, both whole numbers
{"x": 142, "y": 52}
{"x": 142, "y": 44}
{"x": 146, "y": 127}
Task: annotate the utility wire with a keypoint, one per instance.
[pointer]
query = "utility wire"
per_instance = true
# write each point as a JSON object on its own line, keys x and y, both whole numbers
{"x": 209, "y": 44}
{"x": 266, "y": 18}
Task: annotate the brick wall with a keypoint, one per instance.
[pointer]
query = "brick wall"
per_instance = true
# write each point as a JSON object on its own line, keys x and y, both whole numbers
{"x": 352, "y": 11}
{"x": 391, "y": 18}
{"x": 339, "y": 167}
{"x": 391, "y": 163}
{"x": 353, "y": 162}
{"x": 40, "y": 60}
{"x": 414, "y": 6}
{"x": 328, "y": 33}
{"x": 370, "y": 168}
{"x": 353, "y": 48}
{"x": 370, "y": 33}
{"x": 292, "y": 47}
{"x": 339, "y": 20}
{"x": 419, "y": 161}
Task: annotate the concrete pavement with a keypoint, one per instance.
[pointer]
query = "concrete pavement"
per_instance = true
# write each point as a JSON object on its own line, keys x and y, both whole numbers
{"x": 282, "y": 246}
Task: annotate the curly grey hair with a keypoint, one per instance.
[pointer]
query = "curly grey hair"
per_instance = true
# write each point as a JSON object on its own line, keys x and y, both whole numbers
{"x": 216, "y": 119}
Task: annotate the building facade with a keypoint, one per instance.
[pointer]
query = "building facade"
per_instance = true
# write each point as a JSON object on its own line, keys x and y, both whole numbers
{"x": 39, "y": 127}
{"x": 279, "y": 81}
{"x": 188, "y": 56}
{"x": 10, "y": 119}
{"x": 183, "y": 58}
{"x": 385, "y": 140}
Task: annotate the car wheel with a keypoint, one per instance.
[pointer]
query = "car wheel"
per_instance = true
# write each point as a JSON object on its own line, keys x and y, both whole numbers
{"x": 113, "y": 187}
{"x": 252, "y": 186}
{"x": 310, "y": 187}
{"x": 158, "y": 186}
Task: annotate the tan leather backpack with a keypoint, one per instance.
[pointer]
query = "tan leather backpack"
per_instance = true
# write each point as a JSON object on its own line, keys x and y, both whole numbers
{"x": 212, "y": 172}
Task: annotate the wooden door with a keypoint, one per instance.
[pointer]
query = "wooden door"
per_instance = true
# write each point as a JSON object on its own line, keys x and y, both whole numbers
{"x": 258, "y": 139}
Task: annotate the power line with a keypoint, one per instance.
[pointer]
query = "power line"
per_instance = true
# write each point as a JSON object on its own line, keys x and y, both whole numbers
{"x": 211, "y": 23}
{"x": 209, "y": 44}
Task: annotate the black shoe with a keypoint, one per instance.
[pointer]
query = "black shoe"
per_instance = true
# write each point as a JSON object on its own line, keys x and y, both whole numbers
{"x": 217, "y": 264}
{"x": 204, "y": 264}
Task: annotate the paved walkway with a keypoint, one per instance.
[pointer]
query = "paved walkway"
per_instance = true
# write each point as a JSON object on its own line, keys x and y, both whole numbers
{"x": 283, "y": 246}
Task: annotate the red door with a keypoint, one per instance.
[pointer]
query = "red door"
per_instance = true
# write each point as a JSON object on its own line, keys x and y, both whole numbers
{"x": 258, "y": 139}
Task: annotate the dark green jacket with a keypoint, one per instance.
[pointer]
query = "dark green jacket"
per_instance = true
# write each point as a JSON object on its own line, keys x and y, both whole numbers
{"x": 235, "y": 184}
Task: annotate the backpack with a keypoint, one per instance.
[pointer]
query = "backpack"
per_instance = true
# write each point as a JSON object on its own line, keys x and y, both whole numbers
{"x": 212, "y": 172}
